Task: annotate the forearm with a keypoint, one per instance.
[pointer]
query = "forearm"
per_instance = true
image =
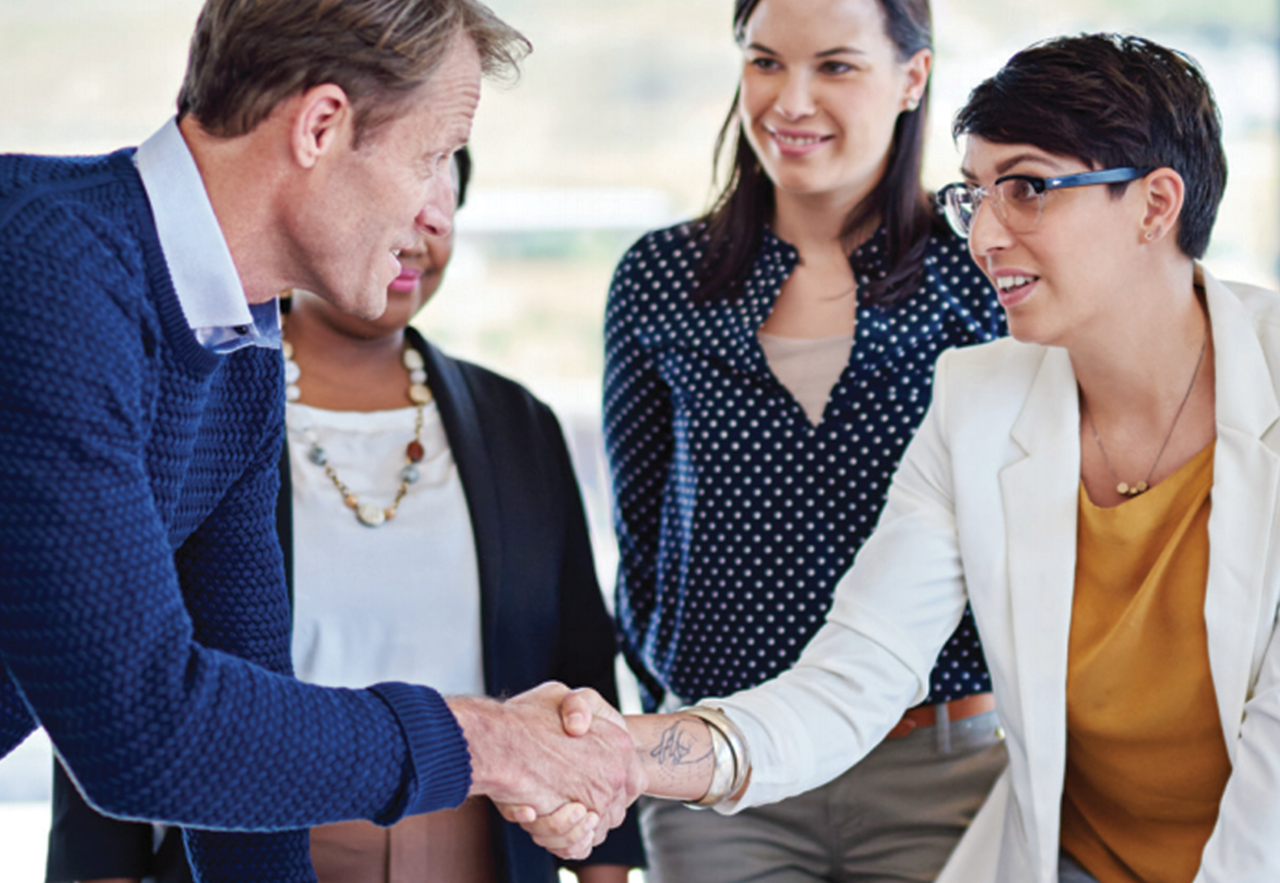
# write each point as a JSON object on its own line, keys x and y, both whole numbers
{"x": 676, "y": 753}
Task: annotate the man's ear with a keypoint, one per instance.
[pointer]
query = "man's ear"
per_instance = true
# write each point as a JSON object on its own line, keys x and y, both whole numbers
{"x": 323, "y": 119}
{"x": 1163, "y": 193}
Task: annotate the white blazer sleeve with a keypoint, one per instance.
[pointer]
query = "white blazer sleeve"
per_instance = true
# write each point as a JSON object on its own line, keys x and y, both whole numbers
{"x": 1245, "y": 845}
{"x": 891, "y": 615}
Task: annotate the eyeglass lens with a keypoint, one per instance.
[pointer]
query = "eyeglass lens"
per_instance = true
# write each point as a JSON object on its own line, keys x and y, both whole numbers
{"x": 1015, "y": 202}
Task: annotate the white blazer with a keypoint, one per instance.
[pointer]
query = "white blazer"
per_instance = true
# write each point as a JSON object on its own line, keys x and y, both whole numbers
{"x": 983, "y": 509}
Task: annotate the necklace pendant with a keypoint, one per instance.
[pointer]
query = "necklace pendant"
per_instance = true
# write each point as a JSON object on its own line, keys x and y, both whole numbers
{"x": 1139, "y": 488}
{"x": 1123, "y": 489}
{"x": 370, "y": 515}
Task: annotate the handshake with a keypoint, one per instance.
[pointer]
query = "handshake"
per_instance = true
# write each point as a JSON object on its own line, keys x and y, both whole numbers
{"x": 565, "y": 765}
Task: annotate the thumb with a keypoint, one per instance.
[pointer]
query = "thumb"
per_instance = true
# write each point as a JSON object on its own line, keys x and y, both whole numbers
{"x": 578, "y": 709}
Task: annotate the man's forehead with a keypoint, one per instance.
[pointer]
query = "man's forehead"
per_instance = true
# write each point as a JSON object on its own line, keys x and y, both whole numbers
{"x": 447, "y": 102}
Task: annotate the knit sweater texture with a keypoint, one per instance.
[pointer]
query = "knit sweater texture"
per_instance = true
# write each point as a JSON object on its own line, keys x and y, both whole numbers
{"x": 143, "y": 615}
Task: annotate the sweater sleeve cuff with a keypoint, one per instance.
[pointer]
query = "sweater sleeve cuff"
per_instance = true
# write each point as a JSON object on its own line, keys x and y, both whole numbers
{"x": 437, "y": 762}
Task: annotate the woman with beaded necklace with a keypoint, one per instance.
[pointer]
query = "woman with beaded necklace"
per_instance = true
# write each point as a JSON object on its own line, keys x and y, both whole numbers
{"x": 765, "y": 367}
{"x": 433, "y": 531}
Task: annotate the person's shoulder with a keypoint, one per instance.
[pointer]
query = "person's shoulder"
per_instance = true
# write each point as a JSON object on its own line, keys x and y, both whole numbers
{"x": 92, "y": 208}
{"x": 683, "y": 241}
{"x": 1003, "y": 365}
{"x": 1261, "y": 302}
{"x": 658, "y": 272}
{"x": 57, "y": 183}
{"x": 1262, "y": 307}
{"x": 980, "y": 390}
{"x": 490, "y": 389}
{"x": 79, "y": 224}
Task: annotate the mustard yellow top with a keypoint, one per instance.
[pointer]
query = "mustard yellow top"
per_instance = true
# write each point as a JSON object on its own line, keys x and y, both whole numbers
{"x": 1146, "y": 760}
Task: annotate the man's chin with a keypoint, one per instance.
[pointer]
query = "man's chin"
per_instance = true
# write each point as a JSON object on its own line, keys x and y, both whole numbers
{"x": 369, "y": 305}
{"x": 370, "y": 308}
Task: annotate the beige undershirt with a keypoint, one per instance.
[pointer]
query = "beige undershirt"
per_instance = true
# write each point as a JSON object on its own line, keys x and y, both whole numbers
{"x": 809, "y": 368}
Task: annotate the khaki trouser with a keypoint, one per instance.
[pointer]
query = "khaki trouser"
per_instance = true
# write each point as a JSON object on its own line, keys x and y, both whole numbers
{"x": 893, "y": 818}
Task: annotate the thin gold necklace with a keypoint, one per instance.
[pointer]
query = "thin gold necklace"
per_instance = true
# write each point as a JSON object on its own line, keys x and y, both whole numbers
{"x": 1124, "y": 488}
{"x": 369, "y": 514}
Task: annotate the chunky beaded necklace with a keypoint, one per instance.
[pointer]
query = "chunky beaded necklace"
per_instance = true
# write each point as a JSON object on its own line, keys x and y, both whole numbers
{"x": 369, "y": 514}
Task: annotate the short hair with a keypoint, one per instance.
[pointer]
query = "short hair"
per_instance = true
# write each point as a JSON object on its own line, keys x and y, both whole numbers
{"x": 247, "y": 56}
{"x": 1111, "y": 101}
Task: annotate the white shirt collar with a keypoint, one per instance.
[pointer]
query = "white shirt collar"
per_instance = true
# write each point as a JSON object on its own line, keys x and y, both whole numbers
{"x": 200, "y": 264}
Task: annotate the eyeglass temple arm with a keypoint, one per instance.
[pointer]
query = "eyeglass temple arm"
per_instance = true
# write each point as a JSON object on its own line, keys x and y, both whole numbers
{"x": 1102, "y": 176}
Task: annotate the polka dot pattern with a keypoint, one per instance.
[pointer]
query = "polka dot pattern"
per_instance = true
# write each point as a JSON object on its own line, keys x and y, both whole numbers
{"x": 735, "y": 515}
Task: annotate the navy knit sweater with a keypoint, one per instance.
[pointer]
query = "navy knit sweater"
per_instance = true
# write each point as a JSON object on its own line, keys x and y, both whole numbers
{"x": 143, "y": 616}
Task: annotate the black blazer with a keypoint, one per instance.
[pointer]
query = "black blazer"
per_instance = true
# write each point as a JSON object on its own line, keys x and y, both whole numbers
{"x": 542, "y": 613}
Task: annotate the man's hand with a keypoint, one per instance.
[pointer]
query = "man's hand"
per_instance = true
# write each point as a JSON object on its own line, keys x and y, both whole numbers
{"x": 572, "y": 828}
{"x": 525, "y": 761}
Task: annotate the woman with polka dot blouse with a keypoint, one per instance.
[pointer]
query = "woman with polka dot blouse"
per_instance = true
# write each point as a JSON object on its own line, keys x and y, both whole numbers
{"x": 766, "y": 366}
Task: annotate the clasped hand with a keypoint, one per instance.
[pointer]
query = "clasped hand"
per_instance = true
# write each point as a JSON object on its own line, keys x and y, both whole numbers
{"x": 572, "y": 828}
{"x": 559, "y": 762}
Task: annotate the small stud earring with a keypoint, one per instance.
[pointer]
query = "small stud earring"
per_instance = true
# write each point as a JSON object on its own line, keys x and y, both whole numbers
{"x": 1149, "y": 236}
{"x": 913, "y": 103}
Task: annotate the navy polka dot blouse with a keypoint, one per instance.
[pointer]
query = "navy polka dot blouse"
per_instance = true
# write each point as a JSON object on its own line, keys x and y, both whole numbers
{"x": 735, "y": 515}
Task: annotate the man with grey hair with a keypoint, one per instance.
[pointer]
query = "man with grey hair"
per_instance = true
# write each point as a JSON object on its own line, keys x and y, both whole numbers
{"x": 143, "y": 613}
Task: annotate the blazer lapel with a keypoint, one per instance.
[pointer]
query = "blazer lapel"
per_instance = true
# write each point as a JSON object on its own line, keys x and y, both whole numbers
{"x": 1039, "y": 492}
{"x": 1246, "y": 472}
{"x": 459, "y": 412}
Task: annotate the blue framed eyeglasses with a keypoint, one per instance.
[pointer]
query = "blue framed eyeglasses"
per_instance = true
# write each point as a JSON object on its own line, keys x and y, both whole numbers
{"x": 1018, "y": 200}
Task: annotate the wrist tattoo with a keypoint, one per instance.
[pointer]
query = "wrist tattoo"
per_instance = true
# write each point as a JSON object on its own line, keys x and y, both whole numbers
{"x": 676, "y": 744}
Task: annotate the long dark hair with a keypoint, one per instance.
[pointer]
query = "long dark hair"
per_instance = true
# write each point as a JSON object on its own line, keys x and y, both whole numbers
{"x": 734, "y": 227}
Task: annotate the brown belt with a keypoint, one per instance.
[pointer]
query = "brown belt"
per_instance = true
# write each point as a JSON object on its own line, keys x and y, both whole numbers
{"x": 957, "y": 710}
